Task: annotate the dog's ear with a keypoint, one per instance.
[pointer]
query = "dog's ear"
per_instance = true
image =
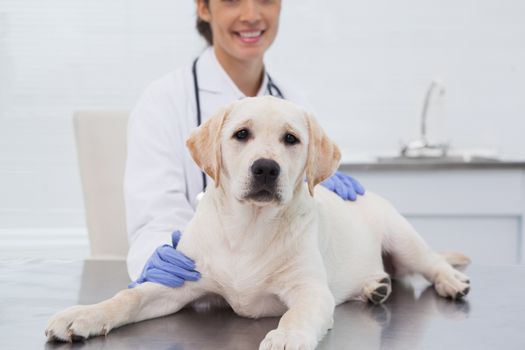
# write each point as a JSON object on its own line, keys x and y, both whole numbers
{"x": 204, "y": 144}
{"x": 323, "y": 154}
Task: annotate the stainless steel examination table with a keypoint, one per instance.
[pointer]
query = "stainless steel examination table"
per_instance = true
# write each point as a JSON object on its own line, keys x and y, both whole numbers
{"x": 491, "y": 317}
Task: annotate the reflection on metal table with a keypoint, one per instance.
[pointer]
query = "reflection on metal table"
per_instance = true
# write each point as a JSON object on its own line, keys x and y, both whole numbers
{"x": 414, "y": 317}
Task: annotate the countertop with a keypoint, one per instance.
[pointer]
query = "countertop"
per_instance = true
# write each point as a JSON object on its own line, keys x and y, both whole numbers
{"x": 492, "y": 316}
{"x": 429, "y": 163}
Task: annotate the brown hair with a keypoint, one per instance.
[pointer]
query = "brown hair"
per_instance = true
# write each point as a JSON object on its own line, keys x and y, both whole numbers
{"x": 204, "y": 28}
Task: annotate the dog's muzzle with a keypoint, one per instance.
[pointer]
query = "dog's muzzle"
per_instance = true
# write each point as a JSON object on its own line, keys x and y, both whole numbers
{"x": 263, "y": 187}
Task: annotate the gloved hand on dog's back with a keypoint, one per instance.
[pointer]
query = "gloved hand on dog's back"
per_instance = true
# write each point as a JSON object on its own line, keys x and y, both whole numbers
{"x": 168, "y": 266}
{"x": 344, "y": 186}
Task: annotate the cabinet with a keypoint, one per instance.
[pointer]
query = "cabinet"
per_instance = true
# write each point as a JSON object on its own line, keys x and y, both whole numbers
{"x": 476, "y": 209}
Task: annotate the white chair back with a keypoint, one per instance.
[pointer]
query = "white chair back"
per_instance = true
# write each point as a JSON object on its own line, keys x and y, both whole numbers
{"x": 101, "y": 147}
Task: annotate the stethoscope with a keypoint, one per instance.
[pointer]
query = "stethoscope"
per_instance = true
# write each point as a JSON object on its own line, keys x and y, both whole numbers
{"x": 272, "y": 89}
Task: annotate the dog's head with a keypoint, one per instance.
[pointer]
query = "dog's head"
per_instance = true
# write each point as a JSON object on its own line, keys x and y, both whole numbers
{"x": 260, "y": 149}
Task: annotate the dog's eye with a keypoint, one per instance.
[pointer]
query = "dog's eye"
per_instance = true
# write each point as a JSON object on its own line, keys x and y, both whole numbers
{"x": 241, "y": 134}
{"x": 290, "y": 139}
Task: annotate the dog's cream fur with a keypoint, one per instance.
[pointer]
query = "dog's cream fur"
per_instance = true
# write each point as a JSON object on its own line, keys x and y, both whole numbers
{"x": 297, "y": 254}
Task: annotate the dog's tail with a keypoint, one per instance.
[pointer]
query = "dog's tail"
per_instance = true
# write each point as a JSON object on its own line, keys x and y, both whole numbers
{"x": 457, "y": 260}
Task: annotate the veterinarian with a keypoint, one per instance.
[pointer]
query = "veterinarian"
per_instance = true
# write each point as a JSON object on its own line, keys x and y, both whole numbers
{"x": 161, "y": 181}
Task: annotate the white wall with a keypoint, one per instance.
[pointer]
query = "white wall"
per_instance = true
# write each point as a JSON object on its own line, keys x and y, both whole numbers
{"x": 365, "y": 65}
{"x": 373, "y": 61}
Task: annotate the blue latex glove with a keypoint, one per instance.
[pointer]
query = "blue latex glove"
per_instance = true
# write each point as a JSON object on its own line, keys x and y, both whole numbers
{"x": 344, "y": 186}
{"x": 168, "y": 266}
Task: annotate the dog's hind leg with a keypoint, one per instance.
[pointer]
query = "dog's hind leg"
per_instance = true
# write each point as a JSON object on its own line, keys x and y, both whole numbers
{"x": 409, "y": 253}
{"x": 145, "y": 301}
{"x": 376, "y": 285}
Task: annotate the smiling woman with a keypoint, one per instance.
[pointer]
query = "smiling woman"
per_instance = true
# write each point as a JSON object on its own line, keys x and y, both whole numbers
{"x": 241, "y": 32}
{"x": 161, "y": 181}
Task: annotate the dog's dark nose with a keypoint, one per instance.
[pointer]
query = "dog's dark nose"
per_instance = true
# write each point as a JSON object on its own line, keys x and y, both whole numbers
{"x": 265, "y": 171}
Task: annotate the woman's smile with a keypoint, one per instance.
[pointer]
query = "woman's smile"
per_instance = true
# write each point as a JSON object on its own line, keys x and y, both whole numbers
{"x": 249, "y": 36}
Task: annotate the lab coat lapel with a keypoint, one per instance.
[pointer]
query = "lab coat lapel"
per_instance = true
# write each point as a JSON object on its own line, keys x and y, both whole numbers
{"x": 212, "y": 77}
{"x": 216, "y": 87}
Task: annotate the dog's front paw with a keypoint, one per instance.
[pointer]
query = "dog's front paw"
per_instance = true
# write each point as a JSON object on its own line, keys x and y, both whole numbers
{"x": 77, "y": 323}
{"x": 289, "y": 340}
{"x": 450, "y": 283}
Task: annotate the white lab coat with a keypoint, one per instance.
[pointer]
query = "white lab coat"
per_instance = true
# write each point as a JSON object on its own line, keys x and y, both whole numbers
{"x": 161, "y": 180}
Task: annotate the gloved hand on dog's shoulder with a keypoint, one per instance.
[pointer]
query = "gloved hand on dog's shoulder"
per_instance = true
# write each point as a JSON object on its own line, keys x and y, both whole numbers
{"x": 168, "y": 266}
{"x": 344, "y": 186}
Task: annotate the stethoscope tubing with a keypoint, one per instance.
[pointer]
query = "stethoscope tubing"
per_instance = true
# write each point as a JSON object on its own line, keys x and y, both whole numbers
{"x": 270, "y": 87}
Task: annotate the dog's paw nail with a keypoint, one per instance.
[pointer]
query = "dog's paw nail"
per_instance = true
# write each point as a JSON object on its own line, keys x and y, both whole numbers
{"x": 73, "y": 338}
{"x": 377, "y": 291}
{"x": 385, "y": 280}
{"x": 54, "y": 339}
{"x": 462, "y": 293}
{"x": 376, "y": 298}
{"x": 50, "y": 335}
{"x": 379, "y": 295}
{"x": 77, "y": 338}
{"x": 381, "y": 290}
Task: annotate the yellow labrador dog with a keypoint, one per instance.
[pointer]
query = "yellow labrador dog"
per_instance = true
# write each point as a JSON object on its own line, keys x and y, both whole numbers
{"x": 272, "y": 244}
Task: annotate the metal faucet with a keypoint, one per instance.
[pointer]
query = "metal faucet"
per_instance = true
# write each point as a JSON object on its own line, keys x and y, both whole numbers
{"x": 422, "y": 147}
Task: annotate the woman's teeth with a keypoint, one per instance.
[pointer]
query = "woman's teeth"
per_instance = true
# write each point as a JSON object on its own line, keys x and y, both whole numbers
{"x": 250, "y": 34}
{"x": 250, "y": 37}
